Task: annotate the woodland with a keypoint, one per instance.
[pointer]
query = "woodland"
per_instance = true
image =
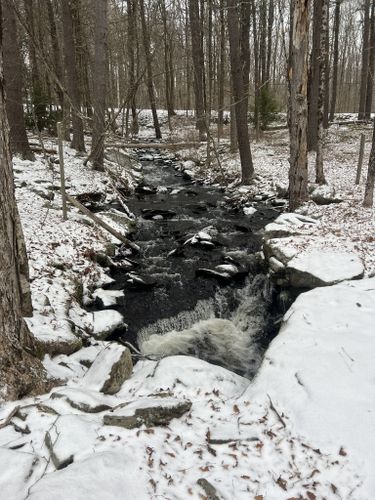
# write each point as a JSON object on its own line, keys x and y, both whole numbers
{"x": 187, "y": 249}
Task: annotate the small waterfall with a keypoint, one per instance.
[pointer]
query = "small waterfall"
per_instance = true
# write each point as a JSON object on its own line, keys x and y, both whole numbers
{"x": 226, "y": 330}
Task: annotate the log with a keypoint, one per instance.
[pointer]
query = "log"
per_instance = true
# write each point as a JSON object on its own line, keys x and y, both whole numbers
{"x": 39, "y": 149}
{"x": 157, "y": 145}
{"x": 102, "y": 224}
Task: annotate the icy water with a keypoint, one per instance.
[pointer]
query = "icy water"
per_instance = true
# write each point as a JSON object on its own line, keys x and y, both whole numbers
{"x": 196, "y": 286}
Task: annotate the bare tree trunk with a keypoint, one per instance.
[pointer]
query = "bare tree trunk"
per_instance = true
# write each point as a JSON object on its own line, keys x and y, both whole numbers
{"x": 78, "y": 142}
{"x": 220, "y": 102}
{"x": 256, "y": 72}
{"x": 313, "y": 89}
{"x": 365, "y": 60}
{"x": 132, "y": 26}
{"x": 335, "y": 64}
{"x": 371, "y": 67}
{"x": 100, "y": 74}
{"x": 197, "y": 55}
{"x": 13, "y": 80}
{"x": 20, "y": 372}
{"x": 240, "y": 106}
{"x": 298, "y": 174}
{"x": 369, "y": 190}
{"x": 271, "y": 17}
{"x": 320, "y": 179}
{"x": 150, "y": 80}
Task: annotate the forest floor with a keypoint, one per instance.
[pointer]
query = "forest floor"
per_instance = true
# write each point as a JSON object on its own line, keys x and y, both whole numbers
{"x": 303, "y": 429}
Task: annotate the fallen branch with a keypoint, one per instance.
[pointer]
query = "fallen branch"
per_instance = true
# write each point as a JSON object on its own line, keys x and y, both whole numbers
{"x": 157, "y": 145}
{"x": 276, "y": 412}
{"x": 9, "y": 417}
{"x": 102, "y": 224}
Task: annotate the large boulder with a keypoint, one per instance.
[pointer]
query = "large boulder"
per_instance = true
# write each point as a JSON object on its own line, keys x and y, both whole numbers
{"x": 323, "y": 268}
{"x": 109, "y": 370}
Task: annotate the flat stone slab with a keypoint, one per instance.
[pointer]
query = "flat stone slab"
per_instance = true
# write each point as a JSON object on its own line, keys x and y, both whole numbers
{"x": 149, "y": 412}
{"x": 323, "y": 268}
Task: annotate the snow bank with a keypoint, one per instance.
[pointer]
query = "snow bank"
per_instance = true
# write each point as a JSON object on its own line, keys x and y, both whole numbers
{"x": 320, "y": 373}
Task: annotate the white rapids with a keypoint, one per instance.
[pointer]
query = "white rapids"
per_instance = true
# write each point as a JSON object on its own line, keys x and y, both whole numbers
{"x": 225, "y": 330}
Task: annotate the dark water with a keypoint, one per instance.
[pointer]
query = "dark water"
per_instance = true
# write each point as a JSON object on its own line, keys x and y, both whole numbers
{"x": 174, "y": 291}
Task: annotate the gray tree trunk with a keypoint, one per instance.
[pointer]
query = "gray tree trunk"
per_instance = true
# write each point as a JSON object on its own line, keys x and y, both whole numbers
{"x": 313, "y": 89}
{"x": 320, "y": 179}
{"x": 100, "y": 74}
{"x": 298, "y": 174}
{"x": 336, "y": 33}
{"x": 240, "y": 106}
{"x": 13, "y": 81}
{"x": 150, "y": 78}
{"x": 20, "y": 372}
{"x": 198, "y": 64}
{"x": 371, "y": 66}
{"x": 365, "y": 60}
{"x": 78, "y": 142}
{"x": 369, "y": 189}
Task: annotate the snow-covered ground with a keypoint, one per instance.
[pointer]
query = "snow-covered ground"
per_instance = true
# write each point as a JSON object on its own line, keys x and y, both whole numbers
{"x": 180, "y": 428}
{"x": 304, "y": 428}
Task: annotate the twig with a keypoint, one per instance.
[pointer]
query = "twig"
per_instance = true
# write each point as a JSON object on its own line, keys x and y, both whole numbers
{"x": 276, "y": 412}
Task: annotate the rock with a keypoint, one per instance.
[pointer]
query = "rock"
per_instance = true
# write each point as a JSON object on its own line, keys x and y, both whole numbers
{"x": 151, "y": 213}
{"x": 281, "y": 190}
{"x": 135, "y": 281}
{"x": 279, "y": 249}
{"x": 249, "y": 210}
{"x": 223, "y": 272}
{"x": 105, "y": 322}
{"x": 325, "y": 195}
{"x": 70, "y": 435}
{"x": 108, "y": 297}
{"x": 323, "y": 268}
{"x": 53, "y": 342}
{"x": 90, "y": 198}
{"x": 85, "y": 401}
{"x": 289, "y": 224}
{"x": 145, "y": 189}
{"x": 119, "y": 218}
{"x": 109, "y": 370}
{"x": 188, "y": 175}
{"x": 153, "y": 413}
{"x": 125, "y": 160}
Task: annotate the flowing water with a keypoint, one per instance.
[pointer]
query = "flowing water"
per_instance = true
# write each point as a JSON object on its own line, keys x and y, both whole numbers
{"x": 196, "y": 286}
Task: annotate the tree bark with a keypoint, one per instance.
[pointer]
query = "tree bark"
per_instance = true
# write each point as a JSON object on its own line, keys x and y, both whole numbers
{"x": 313, "y": 89}
{"x": 150, "y": 79}
{"x": 198, "y": 64}
{"x": 365, "y": 61}
{"x": 132, "y": 26}
{"x": 78, "y": 141}
{"x": 14, "y": 81}
{"x": 369, "y": 189}
{"x": 221, "y": 74}
{"x": 240, "y": 105}
{"x": 371, "y": 66}
{"x": 20, "y": 372}
{"x": 100, "y": 74}
{"x": 335, "y": 64}
{"x": 320, "y": 179}
{"x": 298, "y": 174}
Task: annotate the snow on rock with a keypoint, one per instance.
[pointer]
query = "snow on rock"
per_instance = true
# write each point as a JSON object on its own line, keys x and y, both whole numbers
{"x": 150, "y": 412}
{"x": 320, "y": 373}
{"x": 109, "y": 370}
{"x": 71, "y": 437}
{"x": 104, "y": 322}
{"x": 322, "y": 268}
{"x": 106, "y": 475}
{"x": 289, "y": 224}
{"x": 84, "y": 400}
{"x": 325, "y": 195}
{"x": 249, "y": 211}
{"x": 108, "y": 297}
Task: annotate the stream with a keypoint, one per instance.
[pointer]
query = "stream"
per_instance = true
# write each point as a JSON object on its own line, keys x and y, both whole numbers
{"x": 196, "y": 287}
